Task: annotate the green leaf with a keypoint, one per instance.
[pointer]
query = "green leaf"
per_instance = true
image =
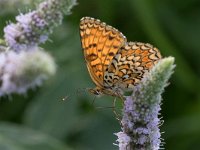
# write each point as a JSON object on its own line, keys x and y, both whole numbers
{"x": 15, "y": 137}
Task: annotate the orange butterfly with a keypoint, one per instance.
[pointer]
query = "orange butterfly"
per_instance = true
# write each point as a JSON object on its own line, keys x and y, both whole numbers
{"x": 113, "y": 63}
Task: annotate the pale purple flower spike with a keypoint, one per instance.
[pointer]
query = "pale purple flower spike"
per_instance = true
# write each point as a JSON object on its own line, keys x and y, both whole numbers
{"x": 23, "y": 64}
{"x": 33, "y": 28}
{"x": 19, "y": 71}
{"x": 140, "y": 122}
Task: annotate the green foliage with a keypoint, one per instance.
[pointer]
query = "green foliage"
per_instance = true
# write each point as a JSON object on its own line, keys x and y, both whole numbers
{"x": 172, "y": 26}
{"x": 15, "y": 137}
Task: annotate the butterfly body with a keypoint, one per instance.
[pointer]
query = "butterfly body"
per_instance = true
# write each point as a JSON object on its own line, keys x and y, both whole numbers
{"x": 114, "y": 64}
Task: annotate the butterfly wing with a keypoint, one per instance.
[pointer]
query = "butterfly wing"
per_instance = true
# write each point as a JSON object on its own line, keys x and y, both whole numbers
{"x": 130, "y": 64}
{"x": 100, "y": 43}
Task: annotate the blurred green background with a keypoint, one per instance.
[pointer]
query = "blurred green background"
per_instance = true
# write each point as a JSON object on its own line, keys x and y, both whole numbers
{"x": 41, "y": 120}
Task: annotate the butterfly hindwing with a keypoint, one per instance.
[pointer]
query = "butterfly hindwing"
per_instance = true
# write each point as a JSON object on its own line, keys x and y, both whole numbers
{"x": 130, "y": 64}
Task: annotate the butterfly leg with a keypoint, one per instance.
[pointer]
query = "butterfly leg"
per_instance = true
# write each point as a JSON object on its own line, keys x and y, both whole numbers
{"x": 93, "y": 100}
{"x": 117, "y": 115}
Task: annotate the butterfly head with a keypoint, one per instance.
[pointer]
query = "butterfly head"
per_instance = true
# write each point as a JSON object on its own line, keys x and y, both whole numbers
{"x": 100, "y": 91}
{"x": 96, "y": 91}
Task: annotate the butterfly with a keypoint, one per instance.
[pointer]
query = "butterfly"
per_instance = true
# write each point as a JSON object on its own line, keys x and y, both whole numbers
{"x": 114, "y": 64}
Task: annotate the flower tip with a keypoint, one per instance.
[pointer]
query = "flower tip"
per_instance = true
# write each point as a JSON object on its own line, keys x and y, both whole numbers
{"x": 168, "y": 60}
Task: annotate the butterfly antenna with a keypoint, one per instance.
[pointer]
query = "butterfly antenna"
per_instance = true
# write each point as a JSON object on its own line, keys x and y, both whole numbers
{"x": 66, "y": 97}
{"x": 81, "y": 91}
{"x": 78, "y": 92}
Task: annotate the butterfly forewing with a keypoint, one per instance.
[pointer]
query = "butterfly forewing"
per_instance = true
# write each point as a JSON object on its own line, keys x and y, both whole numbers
{"x": 100, "y": 44}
